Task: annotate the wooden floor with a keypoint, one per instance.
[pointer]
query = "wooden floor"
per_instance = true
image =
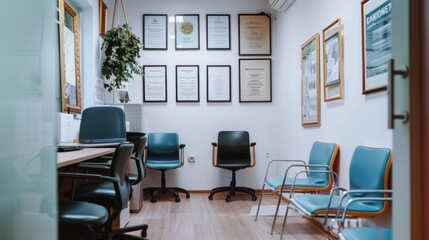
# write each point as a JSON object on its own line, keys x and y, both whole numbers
{"x": 200, "y": 219}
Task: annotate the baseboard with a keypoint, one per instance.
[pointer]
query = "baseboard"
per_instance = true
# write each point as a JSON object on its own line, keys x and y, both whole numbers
{"x": 257, "y": 191}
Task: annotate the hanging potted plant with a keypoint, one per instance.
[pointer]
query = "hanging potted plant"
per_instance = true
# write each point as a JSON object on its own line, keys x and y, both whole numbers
{"x": 122, "y": 51}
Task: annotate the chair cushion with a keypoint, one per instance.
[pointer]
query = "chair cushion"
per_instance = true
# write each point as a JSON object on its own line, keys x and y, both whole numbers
{"x": 155, "y": 164}
{"x": 300, "y": 183}
{"x": 81, "y": 213}
{"x": 366, "y": 233}
{"x": 311, "y": 204}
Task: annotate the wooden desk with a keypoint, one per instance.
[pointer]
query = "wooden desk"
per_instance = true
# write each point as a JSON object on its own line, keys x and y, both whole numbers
{"x": 72, "y": 157}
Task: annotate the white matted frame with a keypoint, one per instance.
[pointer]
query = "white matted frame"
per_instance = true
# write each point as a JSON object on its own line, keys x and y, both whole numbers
{"x": 376, "y": 44}
{"x": 155, "y": 83}
{"x": 218, "y": 32}
{"x": 187, "y": 30}
{"x": 155, "y": 32}
{"x": 187, "y": 83}
{"x": 333, "y": 61}
{"x": 218, "y": 83}
{"x": 310, "y": 82}
{"x": 255, "y": 80}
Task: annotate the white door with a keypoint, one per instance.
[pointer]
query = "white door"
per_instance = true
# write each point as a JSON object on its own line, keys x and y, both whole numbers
{"x": 401, "y": 133}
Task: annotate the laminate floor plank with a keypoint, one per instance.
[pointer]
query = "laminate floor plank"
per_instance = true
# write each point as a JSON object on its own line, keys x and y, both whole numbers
{"x": 198, "y": 218}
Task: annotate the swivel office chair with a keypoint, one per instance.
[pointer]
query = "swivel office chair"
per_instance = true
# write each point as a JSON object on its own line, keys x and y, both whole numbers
{"x": 113, "y": 196}
{"x": 163, "y": 152}
{"x": 233, "y": 154}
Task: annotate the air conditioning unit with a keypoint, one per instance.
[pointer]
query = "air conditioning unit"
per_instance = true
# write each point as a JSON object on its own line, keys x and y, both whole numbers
{"x": 281, "y": 5}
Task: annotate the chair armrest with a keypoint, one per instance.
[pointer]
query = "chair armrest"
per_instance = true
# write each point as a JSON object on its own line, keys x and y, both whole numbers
{"x": 182, "y": 154}
{"x": 329, "y": 171}
{"x": 88, "y": 176}
{"x": 348, "y": 192}
{"x": 252, "y": 145}
{"x": 182, "y": 145}
{"x": 214, "y": 146}
{"x": 279, "y": 161}
{"x": 140, "y": 174}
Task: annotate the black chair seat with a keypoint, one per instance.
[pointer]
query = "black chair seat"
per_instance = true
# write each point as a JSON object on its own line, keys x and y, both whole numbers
{"x": 233, "y": 166}
{"x": 82, "y": 213}
{"x": 103, "y": 190}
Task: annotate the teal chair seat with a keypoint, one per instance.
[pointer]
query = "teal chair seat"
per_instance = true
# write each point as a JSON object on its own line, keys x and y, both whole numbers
{"x": 366, "y": 233}
{"x": 276, "y": 182}
{"x": 310, "y": 205}
{"x": 154, "y": 164}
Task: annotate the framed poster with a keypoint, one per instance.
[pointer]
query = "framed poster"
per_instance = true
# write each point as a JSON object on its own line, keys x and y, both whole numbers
{"x": 155, "y": 30}
{"x": 218, "y": 32}
{"x": 187, "y": 83}
{"x": 155, "y": 83}
{"x": 218, "y": 83}
{"x": 376, "y": 44}
{"x": 254, "y": 34}
{"x": 310, "y": 82}
{"x": 255, "y": 80}
{"x": 333, "y": 61}
{"x": 187, "y": 32}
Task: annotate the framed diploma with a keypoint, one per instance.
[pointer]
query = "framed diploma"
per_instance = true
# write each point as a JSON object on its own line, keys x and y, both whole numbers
{"x": 218, "y": 32}
{"x": 187, "y": 83}
{"x": 333, "y": 61}
{"x": 376, "y": 44}
{"x": 155, "y": 30}
{"x": 254, "y": 37}
{"x": 310, "y": 82}
{"x": 218, "y": 83}
{"x": 155, "y": 83}
{"x": 187, "y": 32}
{"x": 255, "y": 80}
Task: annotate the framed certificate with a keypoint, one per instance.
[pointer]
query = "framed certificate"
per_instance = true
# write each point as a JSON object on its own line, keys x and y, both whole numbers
{"x": 155, "y": 30}
{"x": 187, "y": 32}
{"x": 333, "y": 61}
{"x": 254, "y": 37}
{"x": 218, "y": 83}
{"x": 310, "y": 82}
{"x": 376, "y": 44}
{"x": 255, "y": 80}
{"x": 155, "y": 83}
{"x": 218, "y": 32}
{"x": 187, "y": 83}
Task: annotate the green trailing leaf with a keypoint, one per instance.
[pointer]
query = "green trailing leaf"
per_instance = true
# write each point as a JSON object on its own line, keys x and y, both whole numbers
{"x": 122, "y": 50}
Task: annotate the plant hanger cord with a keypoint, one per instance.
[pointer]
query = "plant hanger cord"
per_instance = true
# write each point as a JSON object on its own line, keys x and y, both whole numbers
{"x": 114, "y": 13}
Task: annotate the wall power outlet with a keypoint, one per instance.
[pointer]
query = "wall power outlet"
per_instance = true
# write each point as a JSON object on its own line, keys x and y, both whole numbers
{"x": 192, "y": 158}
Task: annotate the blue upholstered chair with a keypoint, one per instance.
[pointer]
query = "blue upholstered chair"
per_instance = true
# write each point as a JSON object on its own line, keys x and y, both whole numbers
{"x": 369, "y": 186}
{"x": 322, "y": 158}
{"x": 163, "y": 152}
{"x": 103, "y": 124}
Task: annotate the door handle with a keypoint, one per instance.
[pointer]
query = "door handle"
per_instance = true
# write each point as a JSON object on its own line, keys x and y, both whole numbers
{"x": 391, "y": 72}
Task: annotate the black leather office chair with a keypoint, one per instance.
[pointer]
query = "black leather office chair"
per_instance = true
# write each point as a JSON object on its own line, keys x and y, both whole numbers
{"x": 102, "y": 124}
{"x": 233, "y": 153}
{"x": 164, "y": 152}
{"x": 113, "y": 195}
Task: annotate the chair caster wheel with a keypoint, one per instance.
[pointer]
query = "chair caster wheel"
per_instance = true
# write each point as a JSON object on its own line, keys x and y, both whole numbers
{"x": 187, "y": 195}
{"x": 210, "y": 197}
{"x": 153, "y": 200}
{"x": 254, "y": 197}
{"x": 177, "y": 199}
{"x": 228, "y": 199}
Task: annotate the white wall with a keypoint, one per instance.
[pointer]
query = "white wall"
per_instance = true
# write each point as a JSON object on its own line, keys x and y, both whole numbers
{"x": 276, "y": 127}
{"x": 199, "y": 123}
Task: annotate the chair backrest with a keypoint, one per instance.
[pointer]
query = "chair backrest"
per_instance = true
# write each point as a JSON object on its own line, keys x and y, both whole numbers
{"x": 323, "y": 154}
{"x": 233, "y": 147}
{"x": 370, "y": 169}
{"x": 102, "y": 124}
{"x": 163, "y": 146}
{"x": 118, "y": 170}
